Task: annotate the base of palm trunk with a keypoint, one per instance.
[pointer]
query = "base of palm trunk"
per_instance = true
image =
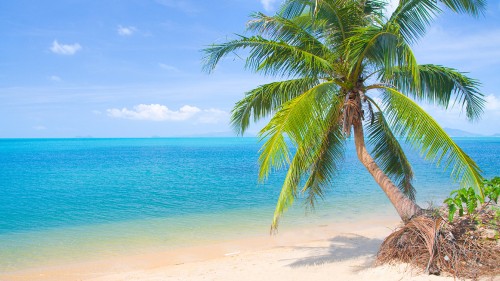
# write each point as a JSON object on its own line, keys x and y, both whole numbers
{"x": 461, "y": 249}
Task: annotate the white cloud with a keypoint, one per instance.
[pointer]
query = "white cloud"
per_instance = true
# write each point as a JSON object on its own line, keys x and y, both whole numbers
{"x": 492, "y": 103}
{"x": 65, "y": 49}
{"x": 168, "y": 67}
{"x": 268, "y": 4}
{"x": 40, "y": 128}
{"x": 154, "y": 112}
{"x": 126, "y": 30}
{"x": 55, "y": 78}
{"x": 158, "y": 112}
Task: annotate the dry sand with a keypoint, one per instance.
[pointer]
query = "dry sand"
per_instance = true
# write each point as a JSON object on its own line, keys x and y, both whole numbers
{"x": 341, "y": 251}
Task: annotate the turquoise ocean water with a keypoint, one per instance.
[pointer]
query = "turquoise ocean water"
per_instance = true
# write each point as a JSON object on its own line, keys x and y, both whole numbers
{"x": 63, "y": 200}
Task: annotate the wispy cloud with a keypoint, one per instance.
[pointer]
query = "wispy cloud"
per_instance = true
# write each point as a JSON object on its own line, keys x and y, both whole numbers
{"x": 159, "y": 112}
{"x": 167, "y": 67}
{"x": 55, "y": 78}
{"x": 268, "y": 4}
{"x": 65, "y": 49}
{"x": 492, "y": 103}
{"x": 126, "y": 30}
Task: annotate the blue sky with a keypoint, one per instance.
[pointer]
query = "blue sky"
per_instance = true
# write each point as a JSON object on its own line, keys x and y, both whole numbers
{"x": 133, "y": 68}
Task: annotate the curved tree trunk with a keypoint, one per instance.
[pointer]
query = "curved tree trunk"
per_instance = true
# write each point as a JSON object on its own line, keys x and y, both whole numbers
{"x": 404, "y": 206}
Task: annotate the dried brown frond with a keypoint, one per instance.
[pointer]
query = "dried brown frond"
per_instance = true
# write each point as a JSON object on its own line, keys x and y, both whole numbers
{"x": 462, "y": 249}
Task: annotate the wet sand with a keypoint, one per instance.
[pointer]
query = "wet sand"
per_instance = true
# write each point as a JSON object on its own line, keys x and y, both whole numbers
{"x": 339, "y": 251}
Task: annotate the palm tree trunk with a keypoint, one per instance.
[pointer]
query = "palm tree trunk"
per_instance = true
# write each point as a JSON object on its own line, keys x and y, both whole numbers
{"x": 405, "y": 207}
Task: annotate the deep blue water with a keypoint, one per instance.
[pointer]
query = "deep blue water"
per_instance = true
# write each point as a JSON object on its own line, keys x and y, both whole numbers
{"x": 52, "y": 184}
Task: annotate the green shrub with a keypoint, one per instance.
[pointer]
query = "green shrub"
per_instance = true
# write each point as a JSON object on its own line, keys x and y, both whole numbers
{"x": 466, "y": 199}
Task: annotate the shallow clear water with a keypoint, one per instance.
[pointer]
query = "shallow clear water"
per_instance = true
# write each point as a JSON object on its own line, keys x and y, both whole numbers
{"x": 73, "y": 198}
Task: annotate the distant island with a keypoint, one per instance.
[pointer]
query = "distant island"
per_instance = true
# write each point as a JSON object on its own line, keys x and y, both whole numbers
{"x": 451, "y": 132}
{"x": 462, "y": 133}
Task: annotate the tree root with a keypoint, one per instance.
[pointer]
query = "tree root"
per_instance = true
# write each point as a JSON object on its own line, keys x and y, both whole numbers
{"x": 461, "y": 249}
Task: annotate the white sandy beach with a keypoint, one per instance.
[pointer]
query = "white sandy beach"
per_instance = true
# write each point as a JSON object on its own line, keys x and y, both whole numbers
{"x": 343, "y": 251}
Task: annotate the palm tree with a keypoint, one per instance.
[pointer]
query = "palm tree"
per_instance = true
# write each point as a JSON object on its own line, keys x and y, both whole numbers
{"x": 350, "y": 68}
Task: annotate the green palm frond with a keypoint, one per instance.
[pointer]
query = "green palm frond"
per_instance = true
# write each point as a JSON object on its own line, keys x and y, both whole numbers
{"x": 342, "y": 16}
{"x": 326, "y": 158}
{"x": 296, "y": 32}
{"x": 270, "y": 57}
{"x": 292, "y": 119}
{"x": 389, "y": 154}
{"x": 413, "y": 17}
{"x": 472, "y": 7}
{"x": 407, "y": 119}
{"x": 294, "y": 8}
{"x": 288, "y": 191}
{"x": 438, "y": 84}
{"x": 318, "y": 154}
{"x": 266, "y": 99}
{"x": 380, "y": 46}
{"x": 375, "y": 7}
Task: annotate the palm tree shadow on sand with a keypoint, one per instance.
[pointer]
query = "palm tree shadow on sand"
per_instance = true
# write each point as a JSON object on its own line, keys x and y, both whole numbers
{"x": 341, "y": 248}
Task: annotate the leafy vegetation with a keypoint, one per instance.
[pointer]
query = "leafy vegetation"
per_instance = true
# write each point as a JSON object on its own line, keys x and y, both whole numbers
{"x": 466, "y": 199}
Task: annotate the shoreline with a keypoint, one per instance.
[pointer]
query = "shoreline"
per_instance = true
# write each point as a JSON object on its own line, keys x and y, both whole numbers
{"x": 339, "y": 246}
{"x": 51, "y": 247}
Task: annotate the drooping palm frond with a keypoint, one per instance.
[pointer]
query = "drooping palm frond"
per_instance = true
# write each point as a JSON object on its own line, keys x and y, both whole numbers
{"x": 293, "y": 8}
{"x": 407, "y": 119}
{"x": 270, "y": 57}
{"x": 389, "y": 154}
{"x": 297, "y": 32}
{"x": 292, "y": 119}
{"x": 326, "y": 159}
{"x": 266, "y": 99}
{"x": 437, "y": 85}
{"x": 472, "y": 7}
{"x": 318, "y": 154}
{"x": 288, "y": 191}
{"x": 413, "y": 17}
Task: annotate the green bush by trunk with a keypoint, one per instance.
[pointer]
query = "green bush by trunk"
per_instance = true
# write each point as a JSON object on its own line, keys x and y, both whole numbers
{"x": 467, "y": 199}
